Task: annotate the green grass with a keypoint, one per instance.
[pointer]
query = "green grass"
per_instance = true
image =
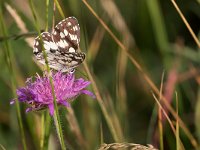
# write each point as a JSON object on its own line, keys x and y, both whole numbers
{"x": 128, "y": 45}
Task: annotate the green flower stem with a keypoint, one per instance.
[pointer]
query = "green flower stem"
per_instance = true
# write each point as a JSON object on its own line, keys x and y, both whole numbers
{"x": 47, "y": 15}
{"x": 42, "y": 131}
{"x": 46, "y": 121}
{"x": 56, "y": 114}
{"x": 47, "y": 130}
{"x": 45, "y": 116}
{"x": 8, "y": 55}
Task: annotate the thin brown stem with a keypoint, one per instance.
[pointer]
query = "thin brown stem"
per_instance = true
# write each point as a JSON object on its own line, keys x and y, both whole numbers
{"x": 186, "y": 23}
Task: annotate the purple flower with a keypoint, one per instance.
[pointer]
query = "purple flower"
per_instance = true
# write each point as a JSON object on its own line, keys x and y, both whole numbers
{"x": 38, "y": 93}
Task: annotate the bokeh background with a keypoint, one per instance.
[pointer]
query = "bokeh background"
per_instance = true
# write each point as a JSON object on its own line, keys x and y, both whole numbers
{"x": 154, "y": 35}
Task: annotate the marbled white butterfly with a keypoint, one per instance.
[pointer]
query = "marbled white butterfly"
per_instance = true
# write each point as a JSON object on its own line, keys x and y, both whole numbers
{"x": 61, "y": 46}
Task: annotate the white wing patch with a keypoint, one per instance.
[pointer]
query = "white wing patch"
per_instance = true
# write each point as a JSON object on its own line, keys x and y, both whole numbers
{"x": 60, "y": 46}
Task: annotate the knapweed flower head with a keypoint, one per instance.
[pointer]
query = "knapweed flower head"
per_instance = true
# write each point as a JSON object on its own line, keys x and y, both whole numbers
{"x": 38, "y": 93}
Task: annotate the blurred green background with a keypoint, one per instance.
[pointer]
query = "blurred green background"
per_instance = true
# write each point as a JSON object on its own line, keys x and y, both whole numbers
{"x": 156, "y": 37}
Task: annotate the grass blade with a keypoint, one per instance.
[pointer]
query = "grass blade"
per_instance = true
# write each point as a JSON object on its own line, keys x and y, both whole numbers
{"x": 13, "y": 81}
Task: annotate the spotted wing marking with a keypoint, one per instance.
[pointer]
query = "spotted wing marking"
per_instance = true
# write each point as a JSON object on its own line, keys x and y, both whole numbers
{"x": 60, "y": 46}
{"x": 67, "y": 35}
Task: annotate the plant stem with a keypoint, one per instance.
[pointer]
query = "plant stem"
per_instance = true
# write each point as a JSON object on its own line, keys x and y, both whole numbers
{"x": 9, "y": 63}
{"x": 56, "y": 114}
{"x": 47, "y": 130}
{"x": 42, "y": 131}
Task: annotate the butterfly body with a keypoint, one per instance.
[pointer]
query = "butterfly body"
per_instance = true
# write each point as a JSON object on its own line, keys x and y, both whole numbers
{"x": 61, "y": 46}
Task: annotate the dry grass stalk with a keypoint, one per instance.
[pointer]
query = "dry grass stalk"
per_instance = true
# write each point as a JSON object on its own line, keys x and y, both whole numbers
{"x": 73, "y": 124}
{"x": 96, "y": 42}
{"x": 118, "y": 136}
{"x": 19, "y": 23}
{"x": 118, "y": 21}
{"x": 186, "y": 23}
{"x": 193, "y": 72}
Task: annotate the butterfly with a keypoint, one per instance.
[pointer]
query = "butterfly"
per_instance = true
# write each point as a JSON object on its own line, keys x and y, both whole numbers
{"x": 61, "y": 46}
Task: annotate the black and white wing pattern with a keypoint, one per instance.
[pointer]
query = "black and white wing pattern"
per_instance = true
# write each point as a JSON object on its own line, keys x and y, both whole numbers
{"x": 67, "y": 35}
{"x": 61, "y": 46}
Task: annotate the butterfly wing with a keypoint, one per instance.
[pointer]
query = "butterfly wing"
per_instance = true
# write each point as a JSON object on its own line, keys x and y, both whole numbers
{"x": 62, "y": 61}
{"x": 50, "y": 48}
{"x": 49, "y": 45}
{"x": 67, "y": 35}
{"x": 70, "y": 60}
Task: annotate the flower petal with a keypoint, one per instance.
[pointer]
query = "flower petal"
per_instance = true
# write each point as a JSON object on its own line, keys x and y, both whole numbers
{"x": 88, "y": 93}
{"x": 65, "y": 103}
{"x": 38, "y": 92}
{"x": 28, "y": 110}
{"x": 80, "y": 84}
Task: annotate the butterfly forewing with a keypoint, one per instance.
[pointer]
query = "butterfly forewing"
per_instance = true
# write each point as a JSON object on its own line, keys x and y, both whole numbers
{"x": 60, "y": 46}
{"x": 67, "y": 35}
{"x": 49, "y": 45}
